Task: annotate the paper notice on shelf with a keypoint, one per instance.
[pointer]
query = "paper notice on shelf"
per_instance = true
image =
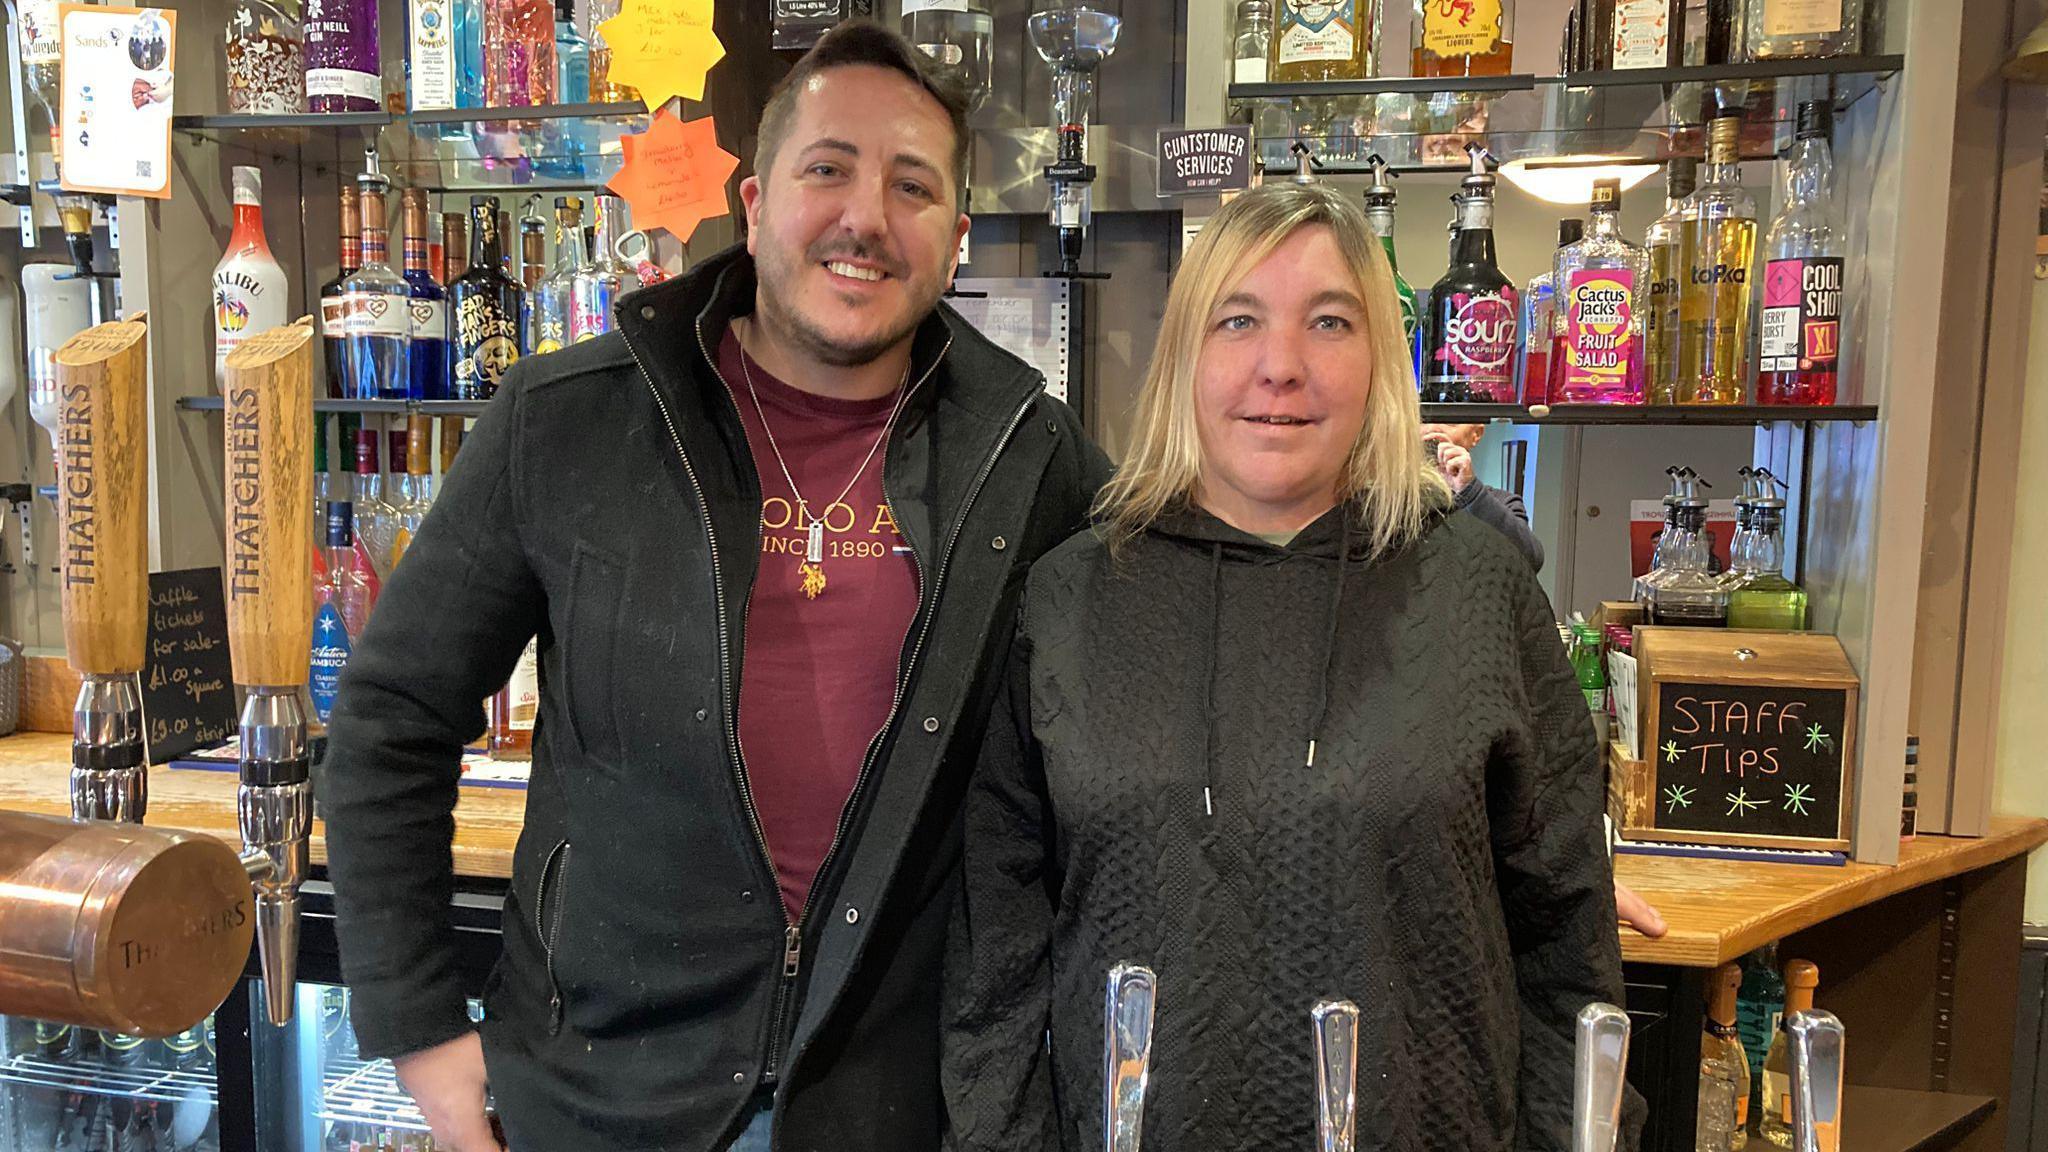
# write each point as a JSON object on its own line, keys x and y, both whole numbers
{"x": 1621, "y": 690}
{"x": 662, "y": 48}
{"x": 114, "y": 127}
{"x": 674, "y": 175}
{"x": 1027, "y": 317}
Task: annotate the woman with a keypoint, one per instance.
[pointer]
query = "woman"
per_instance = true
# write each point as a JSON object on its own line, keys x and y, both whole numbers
{"x": 1282, "y": 729}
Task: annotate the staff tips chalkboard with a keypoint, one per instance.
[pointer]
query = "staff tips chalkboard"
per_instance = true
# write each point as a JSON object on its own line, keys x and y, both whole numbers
{"x": 1742, "y": 762}
{"x": 188, "y": 683}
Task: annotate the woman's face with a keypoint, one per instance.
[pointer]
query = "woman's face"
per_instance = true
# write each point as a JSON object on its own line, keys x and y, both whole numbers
{"x": 1280, "y": 386}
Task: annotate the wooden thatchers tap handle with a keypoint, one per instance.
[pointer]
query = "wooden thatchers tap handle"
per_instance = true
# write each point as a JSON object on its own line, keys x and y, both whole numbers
{"x": 103, "y": 495}
{"x": 268, "y": 384}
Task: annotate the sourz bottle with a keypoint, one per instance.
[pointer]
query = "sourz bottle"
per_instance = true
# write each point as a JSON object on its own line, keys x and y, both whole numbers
{"x": 1474, "y": 311}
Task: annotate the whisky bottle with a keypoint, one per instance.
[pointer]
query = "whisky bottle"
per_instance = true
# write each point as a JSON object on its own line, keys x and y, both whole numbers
{"x": 1778, "y": 29}
{"x": 1761, "y": 596}
{"x": 1775, "y": 1122}
{"x": 1801, "y": 328}
{"x": 485, "y": 303}
{"x": 1451, "y": 38}
{"x": 1665, "y": 242}
{"x": 331, "y": 310}
{"x": 1474, "y": 311}
{"x": 1723, "y": 1123}
{"x": 1324, "y": 40}
{"x": 1599, "y": 283}
{"x": 1715, "y": 297}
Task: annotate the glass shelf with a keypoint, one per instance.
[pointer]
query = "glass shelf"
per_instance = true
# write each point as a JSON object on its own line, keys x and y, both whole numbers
{"x": 1647, "y": 414}
{"x": 374, "y": 407}
{"x": 1424, "y": 124}
{"x": 501, "y": 154}
{"x": 535, "y": 112}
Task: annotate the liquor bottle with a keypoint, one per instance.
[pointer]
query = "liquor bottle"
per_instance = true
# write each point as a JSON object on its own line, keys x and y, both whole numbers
{"x": 1324, "y": 41}
{"x": 1723, "y": 1116}
{"x": 376, "y": 517}
{"x": 469, "y": 55}
{"x": 1715, "y": 297}
{"x": 519, "y": 53}
{"x": 532, "y": 268}
{"x": 429, "y": 306}
{"x": 1473, "y": 310}
{"x": 341, "y": 607}
{"x": 416, "y": 487}
{"x": 266, "y": 59}
{"x": 454, "y": 245}
{"x": 1661, "y": 549}
{"x": 376, "y": 322}
{"x": 1463, "y": 37}
{"x": 515, "y": 708}
{"x": 42, "y": 51}
{"x": 597, "y": 285}
{"x": 324, "y": 489}
{"x": 1642, "y": 33}
{"x": 1689, "y": 593}
{"x": 572, "y": 58}
{"x": 485, "y": 304}
{"x": 1541, "y": 330}
{"x": 1251, "y": 42}
{"x": 342, "y": 69}
{"x": 331, "y": 310}
{"x": 248, "y": 285}
{"x": 1774, "y": 1123}
{"x": 1379, "y": 212}
{"x": 1760, "y": 596}
{"x": 603, "y": 89}
{"x": 1665, "y": 242}
{"x": 1801, "y": 331}
{"x": 1600, "y": 282}
{"x": 1778, "y": 29}
{"x": 430, "y": 56}
{"x": 1757, "y": 1010}
{"x": 551, "y": 305}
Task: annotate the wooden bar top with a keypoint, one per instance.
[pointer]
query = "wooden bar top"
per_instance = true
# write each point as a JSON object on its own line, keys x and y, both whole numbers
{"x": 1717, "y": 910}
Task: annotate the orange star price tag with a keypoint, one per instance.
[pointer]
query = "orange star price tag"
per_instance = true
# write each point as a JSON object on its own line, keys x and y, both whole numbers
{"x": 674, "y": 175}
{"x": 663, "y": 48}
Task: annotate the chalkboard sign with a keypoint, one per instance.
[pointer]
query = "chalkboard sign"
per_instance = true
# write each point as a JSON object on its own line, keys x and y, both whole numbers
{"x": 188, "y": 686}
{"x": 1750, "y": 759}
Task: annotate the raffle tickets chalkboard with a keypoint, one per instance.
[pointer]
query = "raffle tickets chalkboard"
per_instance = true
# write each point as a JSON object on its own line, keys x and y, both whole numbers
{"x": 1749, "y": 739}
{"x": 188, "y": 685}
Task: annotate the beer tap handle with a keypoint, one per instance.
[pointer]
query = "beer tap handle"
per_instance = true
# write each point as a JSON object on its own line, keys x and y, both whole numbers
{"x": 1817, "y": 1040}
{"x": 1598, "y": 1068}
{"x": 102, "y": 451}
{"x": 1126, "y": 1055}
{"x": 1336, "y": 1026}
{"x": 268, "y": 383}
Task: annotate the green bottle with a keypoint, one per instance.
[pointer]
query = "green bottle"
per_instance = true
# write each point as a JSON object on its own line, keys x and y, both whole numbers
{"x": 1379, "y": 211}
{"x": 1761, "y": 596}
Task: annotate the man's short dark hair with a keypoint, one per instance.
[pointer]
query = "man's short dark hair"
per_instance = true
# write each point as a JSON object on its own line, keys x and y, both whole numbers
{"x": 864, "y": 42}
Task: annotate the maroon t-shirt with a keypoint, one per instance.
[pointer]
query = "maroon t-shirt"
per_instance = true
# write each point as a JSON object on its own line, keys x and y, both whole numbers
{"x": 819, "y": 673}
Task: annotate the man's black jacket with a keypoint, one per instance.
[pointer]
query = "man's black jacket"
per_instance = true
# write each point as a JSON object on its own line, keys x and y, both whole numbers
{"x": 607, "y": 503}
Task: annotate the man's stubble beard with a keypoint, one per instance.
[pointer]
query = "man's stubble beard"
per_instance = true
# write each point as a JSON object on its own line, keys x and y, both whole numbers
{"x": 775, "y": 275}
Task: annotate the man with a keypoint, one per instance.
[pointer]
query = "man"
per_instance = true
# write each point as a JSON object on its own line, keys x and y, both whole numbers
{"x": 1453, "y": 445}
{"x": 769, "y": 535}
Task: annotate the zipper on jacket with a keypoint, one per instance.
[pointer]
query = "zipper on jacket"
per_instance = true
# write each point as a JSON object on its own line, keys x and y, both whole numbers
{"x": 549, "y": 928}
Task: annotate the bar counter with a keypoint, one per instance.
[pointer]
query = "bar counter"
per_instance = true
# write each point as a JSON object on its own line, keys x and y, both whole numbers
{"x": 1717, "y": 910}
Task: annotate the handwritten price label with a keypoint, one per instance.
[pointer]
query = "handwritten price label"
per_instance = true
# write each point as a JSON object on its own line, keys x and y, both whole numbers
{"x": 674, "y": 175}
{"x": 663, "y": 48}
{"x": 188, "y": 692}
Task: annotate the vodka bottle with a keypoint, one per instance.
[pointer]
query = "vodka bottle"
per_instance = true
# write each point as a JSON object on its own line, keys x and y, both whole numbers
{"x": 1715, "y": 297}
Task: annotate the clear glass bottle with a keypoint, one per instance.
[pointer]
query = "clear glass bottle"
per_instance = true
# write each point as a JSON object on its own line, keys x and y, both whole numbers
{"x": 1450, "y": 38}
{"x": 42, "y": 51}
{"x": 1774, "y": 1122}
{"x": 484, "y": 303}
{"x": 1600, "y": 283}
{"x": 1762, "y": 597}
{"x": 266, "y": 59}
{"x": 551, "y": 304}
{"x": 1323, "y": 40}
{"x": 959, "y": 35}
{"x": 603, "y": 89}
{"x": 597, "y": 285}
{"x": 519, "y": 53}
{"x": 1689, "y": 594}
{"x": 1715, "y": 298}
{"x": 1723, "y": 1114}
{"x": 1800, "y": 341}
{"x": 1664, "y": 547}
{"x": 343, "y": 70}
{"x": 249, "y": 287}
{"x": 429, "y": 306}
{"x": 376, "y": 517}
{"x": 1251, "y": 42}
{"x": 1540, "y": 328}
{"x": 1474, "y": 312}
{"x": 349, "y": 205}
{"x": 1379, "y": 212}
{"x": 1781, "y": 29}
{"x": 572, "y": 57}
{"x": 416, "y": 486}
{"x": 341, "y": 606}
{"x": 1666, "y": 244}
{"x": 533, "y": 243}
{"x": 469, "y": 57}
{"x": 376, "y": 303}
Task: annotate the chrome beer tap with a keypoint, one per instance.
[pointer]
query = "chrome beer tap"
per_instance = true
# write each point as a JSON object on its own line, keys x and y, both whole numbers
{"x": 1598, "y": 1069}
{"x": 1336, "y": 1025}
{"x": 1817, "y": 1040}
{"x": 1126, "y": 1054}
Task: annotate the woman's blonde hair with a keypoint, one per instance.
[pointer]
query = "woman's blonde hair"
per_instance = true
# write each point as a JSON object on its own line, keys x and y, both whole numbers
{"x": 1386, "y": 478}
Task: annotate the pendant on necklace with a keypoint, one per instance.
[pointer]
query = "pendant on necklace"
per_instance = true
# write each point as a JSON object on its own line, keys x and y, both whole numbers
{"x": 814, "y": 551}
{"x": 812, "y": 570}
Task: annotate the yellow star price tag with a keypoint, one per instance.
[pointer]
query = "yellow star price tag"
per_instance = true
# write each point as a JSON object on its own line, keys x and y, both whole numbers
{"x": 663, "y": 48}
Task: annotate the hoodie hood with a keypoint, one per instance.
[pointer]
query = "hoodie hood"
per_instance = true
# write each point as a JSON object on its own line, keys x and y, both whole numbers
{"x": 1340, "y": 530}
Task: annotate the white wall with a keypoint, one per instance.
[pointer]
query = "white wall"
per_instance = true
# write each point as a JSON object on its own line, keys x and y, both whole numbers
{"x": 2022, "y": 781}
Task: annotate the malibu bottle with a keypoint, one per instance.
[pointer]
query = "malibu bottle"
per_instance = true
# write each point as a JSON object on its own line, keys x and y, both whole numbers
{"x": 1474, "y": 313}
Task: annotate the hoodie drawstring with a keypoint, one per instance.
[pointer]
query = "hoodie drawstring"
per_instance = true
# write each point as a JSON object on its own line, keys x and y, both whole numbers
{"x": 1315, "y": 727}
